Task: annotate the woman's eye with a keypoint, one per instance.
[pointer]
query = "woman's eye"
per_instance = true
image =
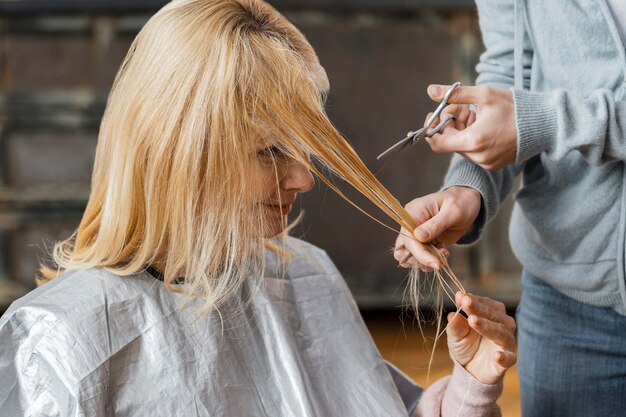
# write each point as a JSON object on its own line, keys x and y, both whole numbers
{"x": 272, "y": 153}
{"x": 269, "y": 151}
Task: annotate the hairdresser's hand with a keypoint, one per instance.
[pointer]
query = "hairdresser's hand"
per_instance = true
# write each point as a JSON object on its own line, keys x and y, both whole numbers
{"x": 489, "y": 140}
{"x": 464, "y": 117}
{"x": 484, "y": 343}
{"x": 443, "y": 218}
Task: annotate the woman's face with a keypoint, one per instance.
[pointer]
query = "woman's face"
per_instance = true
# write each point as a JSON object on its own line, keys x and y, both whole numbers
{"x": 280, "y": 180}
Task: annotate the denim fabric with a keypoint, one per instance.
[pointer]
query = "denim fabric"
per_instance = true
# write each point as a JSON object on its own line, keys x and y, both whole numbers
{"x": 572, "y": 356}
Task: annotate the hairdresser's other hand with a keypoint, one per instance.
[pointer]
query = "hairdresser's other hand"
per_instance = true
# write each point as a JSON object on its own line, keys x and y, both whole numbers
{"x": 491, "y": 140}
{"x": 443, "y": 217}
{"x": 484, "y": 342}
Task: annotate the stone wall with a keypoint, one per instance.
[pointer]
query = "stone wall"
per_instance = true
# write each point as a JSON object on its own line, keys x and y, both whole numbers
{"x": 57, "y": 63}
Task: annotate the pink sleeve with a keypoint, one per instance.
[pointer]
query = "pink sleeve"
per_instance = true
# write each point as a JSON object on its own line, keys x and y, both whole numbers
{"x": 460, "y": 395}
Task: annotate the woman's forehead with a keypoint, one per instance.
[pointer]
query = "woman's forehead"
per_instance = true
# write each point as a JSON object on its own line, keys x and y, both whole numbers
{"x": 261, "y": 141}
{"x": 265, "y": 137}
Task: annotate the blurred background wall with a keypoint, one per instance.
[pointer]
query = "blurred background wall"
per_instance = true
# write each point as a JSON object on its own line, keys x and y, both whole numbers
{"x": 58, "y": 59}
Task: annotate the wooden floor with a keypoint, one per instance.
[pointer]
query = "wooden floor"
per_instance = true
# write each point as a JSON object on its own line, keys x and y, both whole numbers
{"x": 404, "y": 346}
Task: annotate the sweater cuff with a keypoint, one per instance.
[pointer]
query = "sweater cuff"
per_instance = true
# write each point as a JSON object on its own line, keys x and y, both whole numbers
{"x": 536, "y": 123}
{"x": 466, "y": 396}
{"x": 464, "y": 173}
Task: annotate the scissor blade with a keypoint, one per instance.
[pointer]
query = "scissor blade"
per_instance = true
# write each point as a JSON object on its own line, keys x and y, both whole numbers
{"x": 396, "y": 148}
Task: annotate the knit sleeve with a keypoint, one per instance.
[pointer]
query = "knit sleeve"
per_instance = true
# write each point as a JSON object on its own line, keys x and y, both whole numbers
{"x": 460, "y": 395}
{"x": 496, "y": 67}
{"x": 493, "y": 186}
{"x": 559, "y": 122}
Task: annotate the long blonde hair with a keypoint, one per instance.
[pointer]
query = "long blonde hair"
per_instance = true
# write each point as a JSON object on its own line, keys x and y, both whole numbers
{"x": 201, "y": 82}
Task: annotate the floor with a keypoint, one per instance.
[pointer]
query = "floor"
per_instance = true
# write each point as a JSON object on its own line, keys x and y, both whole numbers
{"x": 404, "y": 346}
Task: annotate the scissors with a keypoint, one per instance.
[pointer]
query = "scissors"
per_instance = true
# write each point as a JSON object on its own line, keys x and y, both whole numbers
{"x": 413, "y": 137}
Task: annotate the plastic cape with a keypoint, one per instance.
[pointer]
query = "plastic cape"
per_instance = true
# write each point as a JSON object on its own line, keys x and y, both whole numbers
{"x": 90, "y": 343}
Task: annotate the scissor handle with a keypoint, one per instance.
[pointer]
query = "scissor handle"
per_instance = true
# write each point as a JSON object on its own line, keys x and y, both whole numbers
{"x": 440, "y": 126}
{"x": 442, "y": 105}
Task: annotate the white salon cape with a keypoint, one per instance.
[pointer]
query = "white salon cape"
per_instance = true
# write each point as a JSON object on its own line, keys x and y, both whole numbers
{"x": 90, "y": 343}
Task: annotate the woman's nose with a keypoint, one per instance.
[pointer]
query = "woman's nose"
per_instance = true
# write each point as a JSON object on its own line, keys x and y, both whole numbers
{"x": 298, "y": 178}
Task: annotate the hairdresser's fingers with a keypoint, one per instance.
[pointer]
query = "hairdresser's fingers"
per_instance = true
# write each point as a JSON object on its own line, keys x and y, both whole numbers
{"x": 453, "y": 141}
{"x": 423, "y": 208}
{"x": 404, "y": 256}
{"x": 419, "y": 252}
{"x": 400, "y": 239}
{"x": 434, "y": 122}
{"x": 399, "y": 248}
{"x": 471, "y": 118}
{"x": 432, "y": 228}
{"x": 462, "y": 117}
{"x": 412, "y": 263}
{"x": 450, "y": 126}
{"x": 462, "y": 94}
{"x": 443, "y": 252}
{"x": 451, "y": 110}
{"x": 406, "y": 260}
{"x": 401, "y": 254}
{"x": 422, "y": 254}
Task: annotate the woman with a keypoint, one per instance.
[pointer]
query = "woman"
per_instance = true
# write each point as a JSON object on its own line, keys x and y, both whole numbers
{"x": 181, "y": 293}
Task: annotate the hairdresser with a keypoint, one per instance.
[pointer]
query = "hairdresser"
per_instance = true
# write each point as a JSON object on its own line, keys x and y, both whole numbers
{"x": 181, "y": 293}
{"x": 549, "y": 108}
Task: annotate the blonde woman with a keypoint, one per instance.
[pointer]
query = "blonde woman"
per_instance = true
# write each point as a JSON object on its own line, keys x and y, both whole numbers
{"x": 180, "y": 293}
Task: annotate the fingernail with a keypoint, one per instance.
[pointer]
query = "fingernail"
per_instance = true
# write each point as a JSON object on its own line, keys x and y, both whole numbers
{"x": 434, "y": 90}
{"x": 421, "y": 233}
{"x": 433, "y": 265}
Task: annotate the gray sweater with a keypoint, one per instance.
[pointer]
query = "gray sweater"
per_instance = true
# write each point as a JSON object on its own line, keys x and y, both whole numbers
{"x": 566, "y": 64}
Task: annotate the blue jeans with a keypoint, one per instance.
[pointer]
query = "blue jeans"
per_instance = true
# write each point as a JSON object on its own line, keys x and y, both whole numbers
{"x": 572, "y": 356}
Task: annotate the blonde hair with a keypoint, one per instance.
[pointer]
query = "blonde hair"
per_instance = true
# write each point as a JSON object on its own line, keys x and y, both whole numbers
{"x": 201, "y": 82}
